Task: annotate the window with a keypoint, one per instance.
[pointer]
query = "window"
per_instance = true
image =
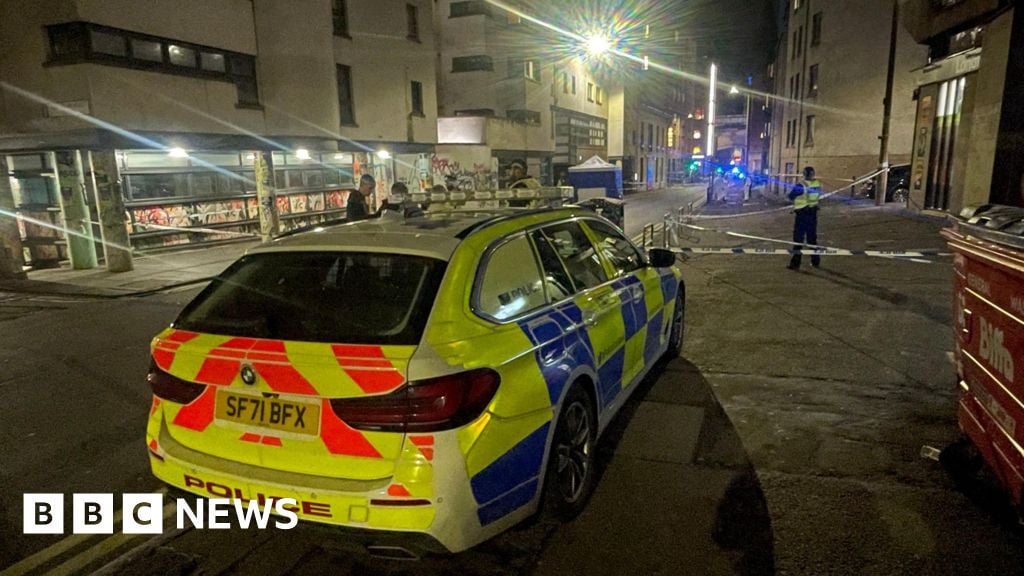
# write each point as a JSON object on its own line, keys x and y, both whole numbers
{"x": 531, "y": 70}
{"x": 527, "y": 116}
{"x": 212, "y": 62}
{"x": 800, "y": 41}
{"x": 650, "y": 135}
{"x": 181, "y": 56}
{"x": 590, "y": 91}
{"x": 574, "y": 84}
{"x": 472, "y": 63}
{"x": 76, "y": 42}
{"x": 812, "y": 81}
{"x": 417, "y": 98}
{"x": 797, "y": 86}
{"x": 345, "y": 104}
{"x": 575, "y": 250}
{"x": 642, "y": 126}
{"x": 565, "y": 82}
{"x": 809, "y": 132}
{"x": 600, "y": 95}
{"x": 622, "y": 255}
{"x": 471, "y": 8}
{"x": 320, "y": 297}
{"x": 557, "y": 283}
{"x": 511, "y": 283}
{"x": 107, "y": 43}
{"x": 816, "y": 29}
{"x": 147, "y": 50}
{"x": 796, "y": 5}
{"x": 339, "y": 16}
{"x": 412, "y": 22}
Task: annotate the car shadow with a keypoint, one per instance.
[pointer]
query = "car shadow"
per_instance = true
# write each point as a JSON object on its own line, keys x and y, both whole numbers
{"x": 676, "y": 493}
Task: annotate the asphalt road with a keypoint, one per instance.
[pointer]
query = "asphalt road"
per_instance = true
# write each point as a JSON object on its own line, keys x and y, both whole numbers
{"x": 787, "y": 440}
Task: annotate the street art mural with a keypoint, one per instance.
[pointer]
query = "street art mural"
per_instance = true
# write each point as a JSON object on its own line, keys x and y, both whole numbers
{"x": 456, "y": 175}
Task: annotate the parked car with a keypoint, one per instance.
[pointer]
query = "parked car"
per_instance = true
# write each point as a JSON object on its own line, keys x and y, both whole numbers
{"x": 428, "y": 381}
{"x": 898, "y": 188}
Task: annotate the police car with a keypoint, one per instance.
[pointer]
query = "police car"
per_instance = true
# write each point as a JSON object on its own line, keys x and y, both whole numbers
{"x": 435, "y": 379}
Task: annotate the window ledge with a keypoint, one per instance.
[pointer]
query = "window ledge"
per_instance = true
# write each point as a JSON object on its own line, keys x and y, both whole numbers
{"x": 418, "y": 114}
{"x": 247, "y": 106}
{"x": 352, "y": 125}
{"x": 344, "y": 35}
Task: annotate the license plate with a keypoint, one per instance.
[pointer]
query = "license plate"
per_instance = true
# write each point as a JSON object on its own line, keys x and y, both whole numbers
{"x": 272, "y": 413}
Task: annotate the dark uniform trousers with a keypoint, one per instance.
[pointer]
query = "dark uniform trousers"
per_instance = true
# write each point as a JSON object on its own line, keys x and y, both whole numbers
{"x": 805, "y": 231}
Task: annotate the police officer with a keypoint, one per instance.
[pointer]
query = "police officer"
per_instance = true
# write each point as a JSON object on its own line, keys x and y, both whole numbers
{"x": 805, "y": 205}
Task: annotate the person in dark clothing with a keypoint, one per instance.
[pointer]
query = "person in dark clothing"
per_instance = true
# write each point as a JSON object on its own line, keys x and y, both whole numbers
{"x": 805, "y": 206}
{"x": 358, "y": 205}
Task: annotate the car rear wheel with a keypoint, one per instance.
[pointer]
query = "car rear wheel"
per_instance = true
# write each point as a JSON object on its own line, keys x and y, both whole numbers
{"x": 900, "y": 195}
{"x": 675, "y": 339}
{"x": 570, "y": 475}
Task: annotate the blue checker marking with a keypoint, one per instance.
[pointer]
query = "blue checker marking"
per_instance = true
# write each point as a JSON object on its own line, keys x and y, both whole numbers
{"x": 549, "y": 329}
{"x": 669, "y": 287}
{"x": 653, "y": 337}
{"x": 507, "y": 503}
{"x": 512, "y": 468}
{"x": 610, "y": 375}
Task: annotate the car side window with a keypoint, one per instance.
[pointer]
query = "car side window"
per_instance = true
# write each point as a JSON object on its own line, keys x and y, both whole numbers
{"x": 511, "y": 283}
{"x": 556, "y": 280}
{"x": 578, "y": 254}
{"x": 623, "y": 256}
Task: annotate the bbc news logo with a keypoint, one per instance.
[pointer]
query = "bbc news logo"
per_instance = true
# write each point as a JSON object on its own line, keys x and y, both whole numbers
{"x": 144, "y": 513}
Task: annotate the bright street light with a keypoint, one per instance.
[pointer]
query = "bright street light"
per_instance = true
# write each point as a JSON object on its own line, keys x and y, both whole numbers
{"x": 598, "y": 45}
{"x": 734, "y": 90}
{"x": 303, "y": 154}
{"x": 177, "y": 153}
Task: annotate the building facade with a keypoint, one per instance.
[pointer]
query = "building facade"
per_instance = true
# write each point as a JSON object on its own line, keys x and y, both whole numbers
{"x": 181, "y": 110}
{"x": 511, "y": 89}
{"x": 969, "y": 132}
{"x": 830, "y": 80}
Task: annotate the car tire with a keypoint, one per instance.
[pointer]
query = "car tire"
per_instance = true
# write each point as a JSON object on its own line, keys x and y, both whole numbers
{"x": 571, "y": 473}
{"x": 675, "y": 336}
{"x": 900, "y": 195}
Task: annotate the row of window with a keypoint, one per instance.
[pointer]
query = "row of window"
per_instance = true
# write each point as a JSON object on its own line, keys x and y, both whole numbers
{"x": 548, "y": 265}
{"x": 797, "y": 48}
{"x": 792, "y": 132}
{"x": 339, "y": 13}
{"x": 795, "y": 86}
{"x": 76, "y": 42}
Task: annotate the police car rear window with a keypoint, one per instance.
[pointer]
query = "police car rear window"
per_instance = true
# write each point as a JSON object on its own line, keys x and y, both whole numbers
{"x": 341, "y": 297}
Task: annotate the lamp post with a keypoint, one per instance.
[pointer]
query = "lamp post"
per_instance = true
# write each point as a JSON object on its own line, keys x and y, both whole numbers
{"x": 746, "y": 136}
{"x": 709, "y": 154}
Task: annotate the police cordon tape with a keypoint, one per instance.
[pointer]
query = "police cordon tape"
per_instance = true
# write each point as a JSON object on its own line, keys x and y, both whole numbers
{"x": 670, "y": 236}
{"x": 810, "y": 252}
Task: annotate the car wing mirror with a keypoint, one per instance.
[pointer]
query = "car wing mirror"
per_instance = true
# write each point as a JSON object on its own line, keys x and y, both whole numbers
{"x": 661, "y": 258}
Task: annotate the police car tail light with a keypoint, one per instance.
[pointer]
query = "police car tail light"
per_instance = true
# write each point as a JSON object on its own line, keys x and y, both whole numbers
{"x": 423, "y": 406}
{"x": 171, "y": 388}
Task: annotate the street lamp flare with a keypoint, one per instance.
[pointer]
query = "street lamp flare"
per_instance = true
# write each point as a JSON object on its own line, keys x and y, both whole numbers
{"x": 598, "y": 45}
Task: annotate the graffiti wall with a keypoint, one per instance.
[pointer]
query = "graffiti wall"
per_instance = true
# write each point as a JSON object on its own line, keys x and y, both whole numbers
{"x": 464, "y": 167}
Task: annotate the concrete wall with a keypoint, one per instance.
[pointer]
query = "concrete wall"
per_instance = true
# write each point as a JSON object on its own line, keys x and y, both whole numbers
{"x": 384, "y": 63}
{"x": 464, "y": 36}
{"x": 985, "y": 115}
{"x": 296, "y": 71}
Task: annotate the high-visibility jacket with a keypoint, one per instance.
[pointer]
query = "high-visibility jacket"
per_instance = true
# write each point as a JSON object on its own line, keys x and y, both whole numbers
{"x": 810, "y": 195}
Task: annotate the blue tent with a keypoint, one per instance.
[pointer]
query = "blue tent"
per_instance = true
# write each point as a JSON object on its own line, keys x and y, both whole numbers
{"x": 596, "y": 178}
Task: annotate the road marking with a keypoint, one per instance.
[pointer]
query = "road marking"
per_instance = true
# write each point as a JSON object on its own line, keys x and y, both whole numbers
{"x": 47, "y": 554}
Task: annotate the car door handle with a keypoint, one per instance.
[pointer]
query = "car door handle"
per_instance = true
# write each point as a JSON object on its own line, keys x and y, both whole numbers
{"x": 608, "y": 299}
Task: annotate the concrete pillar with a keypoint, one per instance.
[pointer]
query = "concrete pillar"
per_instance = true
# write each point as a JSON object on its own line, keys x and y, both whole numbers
{"x": 77, "y": 227}
{"x": 1008, "y": 174}
{"x": 12, "y": 260}
{"x": 266, "y": 196}
{"x": 106, "y": 182}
